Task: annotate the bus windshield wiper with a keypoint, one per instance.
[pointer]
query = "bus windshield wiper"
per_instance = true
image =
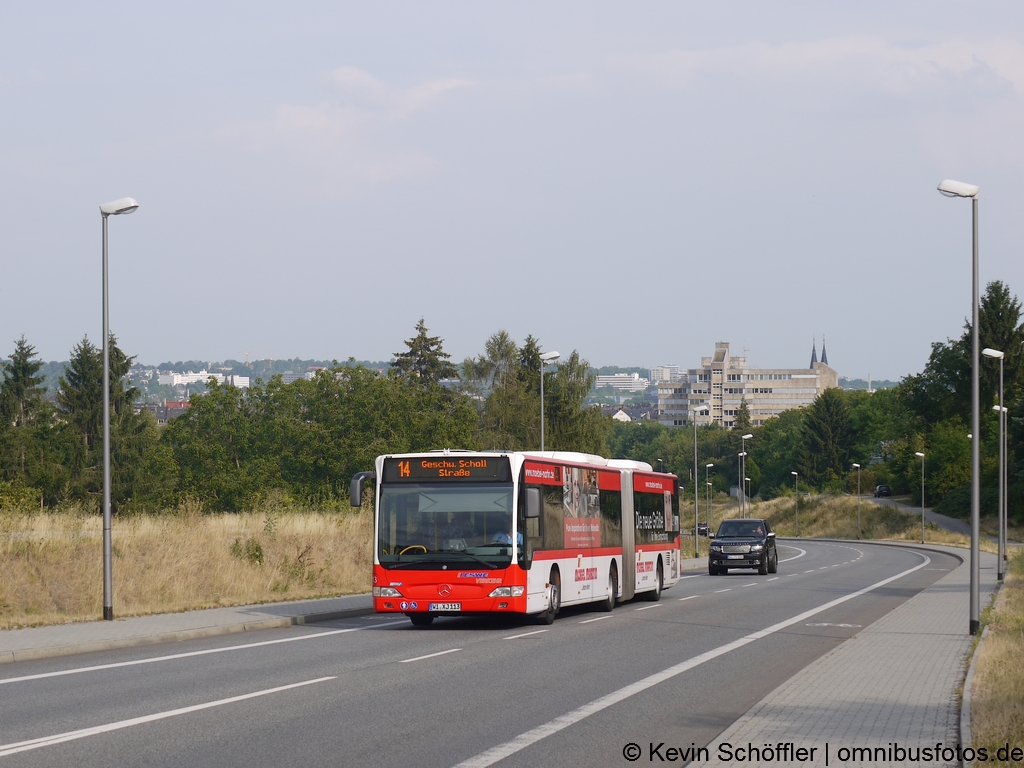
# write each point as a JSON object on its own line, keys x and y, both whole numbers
{"x": 442, "y": 560}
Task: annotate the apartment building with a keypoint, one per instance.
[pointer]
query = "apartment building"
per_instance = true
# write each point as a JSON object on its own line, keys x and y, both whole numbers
{"x": 722, "y": 382}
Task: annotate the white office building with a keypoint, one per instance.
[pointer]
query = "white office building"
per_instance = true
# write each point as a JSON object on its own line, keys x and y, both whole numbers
{"x": 722, "y": 382}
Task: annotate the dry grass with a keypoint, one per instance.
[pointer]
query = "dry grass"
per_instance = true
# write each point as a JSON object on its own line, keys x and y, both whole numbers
{"x": 52, "y": 563}
{"x": 835, "y": 517}
{"x": 997, "y": 703}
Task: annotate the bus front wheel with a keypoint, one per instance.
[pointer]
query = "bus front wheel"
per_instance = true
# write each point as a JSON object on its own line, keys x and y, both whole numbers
{"x": 554, "y": 598}
{"x": 421, "y": 619}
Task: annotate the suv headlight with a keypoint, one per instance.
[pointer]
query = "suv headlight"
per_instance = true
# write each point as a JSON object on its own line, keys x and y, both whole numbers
{"x": 756, "y": 547}
{"x": 716, "y": 547}
{"x": 508, "y": 592}
{"x": 386, "y": 592}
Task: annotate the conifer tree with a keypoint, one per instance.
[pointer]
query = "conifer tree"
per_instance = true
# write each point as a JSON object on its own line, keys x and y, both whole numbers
{"x": 425, "y": 358}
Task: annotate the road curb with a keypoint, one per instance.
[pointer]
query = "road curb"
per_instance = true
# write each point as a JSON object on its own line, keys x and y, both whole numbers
{"x": 197, "y": 633}
{"x": 944, "y": 548}
{"x": 965, "y": 701}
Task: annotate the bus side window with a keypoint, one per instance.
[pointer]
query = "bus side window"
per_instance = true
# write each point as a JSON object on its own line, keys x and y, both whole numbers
{"x": 531, "y": 513}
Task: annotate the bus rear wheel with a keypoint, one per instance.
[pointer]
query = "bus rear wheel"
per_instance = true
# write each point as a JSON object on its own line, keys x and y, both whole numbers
{"x": 554, "y": 598}
{"x": 659, "y": 584}
{"x": 613, "y": 590}
{"x": 421, "y": 619}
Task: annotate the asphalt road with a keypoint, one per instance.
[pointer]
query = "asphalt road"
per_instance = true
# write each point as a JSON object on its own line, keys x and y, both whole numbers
{"x": 374, "y": 691}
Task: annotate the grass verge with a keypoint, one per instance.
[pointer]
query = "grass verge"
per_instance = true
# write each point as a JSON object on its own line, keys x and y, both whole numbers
{"x": 997, "y": 703}
{"x": 52, "y": 563}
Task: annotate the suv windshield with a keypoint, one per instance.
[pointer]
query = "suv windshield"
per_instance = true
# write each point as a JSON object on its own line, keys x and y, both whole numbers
{"x": 740, "y": 528}
{"x": 435, "y": 524}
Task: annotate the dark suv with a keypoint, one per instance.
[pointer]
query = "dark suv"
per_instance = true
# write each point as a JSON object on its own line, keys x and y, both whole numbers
{"x": 743, "y": 543}
{"x": 883, "y": 490}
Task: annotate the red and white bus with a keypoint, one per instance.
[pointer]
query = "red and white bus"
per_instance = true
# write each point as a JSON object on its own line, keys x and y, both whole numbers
{"x": 459, "y": 532}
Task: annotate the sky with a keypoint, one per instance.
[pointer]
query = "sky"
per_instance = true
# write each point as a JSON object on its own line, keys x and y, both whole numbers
{"x": 635, "y": 181}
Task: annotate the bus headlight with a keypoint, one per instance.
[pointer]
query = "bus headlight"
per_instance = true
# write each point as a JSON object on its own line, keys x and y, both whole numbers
{"x": 508, "y": 592}
{"x": 386, "y": 592}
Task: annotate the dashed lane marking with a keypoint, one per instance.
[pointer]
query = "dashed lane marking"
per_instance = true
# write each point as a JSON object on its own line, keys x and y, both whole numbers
{"x": 430, "y": 655}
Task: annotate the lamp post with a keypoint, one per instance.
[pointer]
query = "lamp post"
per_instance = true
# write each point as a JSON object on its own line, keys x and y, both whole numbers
{"x": 742, "y": 455}
{"x": 707, "y": 490}
{"x": 116, "y": 208}
{"x": 796, "y": 498}
{"x": 951, "y": 188}
{"x": 858, "y": 500}
{"x": 547, "y": 357}
{"x": 743, "y": 469}
{"x": 921, "y": 456}
{"x": 1001, "y": 543}
{"x": 696, "y": 516}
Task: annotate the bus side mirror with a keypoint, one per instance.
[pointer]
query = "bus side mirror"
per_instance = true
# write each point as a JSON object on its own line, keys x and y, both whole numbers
{"x": 534, "y": 502}
{"x": 356, "y": 491}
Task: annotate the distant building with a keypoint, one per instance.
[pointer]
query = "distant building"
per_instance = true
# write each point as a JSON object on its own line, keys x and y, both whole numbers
{"x": 661, "y": 373}
{"x": 723, "y": 382}
{"x": 171, "y": 409}
{"x": 242, "y": 382}
{"x": 184, "y": 379}
{"x": 623, "y": 382}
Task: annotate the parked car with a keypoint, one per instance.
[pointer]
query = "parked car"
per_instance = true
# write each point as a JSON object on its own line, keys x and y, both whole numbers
{"x": 702, "y": 529}
{"x": 883, "y": 490}
{"x": 743, "y": 543}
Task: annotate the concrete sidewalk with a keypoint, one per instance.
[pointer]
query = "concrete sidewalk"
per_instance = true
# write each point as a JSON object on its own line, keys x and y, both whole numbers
{"x": 67, "y": 639}
{"x": 894, "y": 683}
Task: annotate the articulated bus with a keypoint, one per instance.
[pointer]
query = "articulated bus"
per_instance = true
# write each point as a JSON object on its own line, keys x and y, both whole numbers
{"x": 459, "y": 532}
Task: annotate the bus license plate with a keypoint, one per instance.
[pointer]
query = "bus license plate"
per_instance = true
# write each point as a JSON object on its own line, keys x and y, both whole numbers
{"x": 735, "y": 557}
{"x": 445, "y": 607}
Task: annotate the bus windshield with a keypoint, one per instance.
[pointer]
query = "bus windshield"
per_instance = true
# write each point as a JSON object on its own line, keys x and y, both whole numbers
{"x": 433, "y": 525}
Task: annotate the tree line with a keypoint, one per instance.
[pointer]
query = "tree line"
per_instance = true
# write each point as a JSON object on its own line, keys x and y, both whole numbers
{"x": 882, "y": 431}
{"x": 304, "y": 440}
{"x": 300, "y": 441}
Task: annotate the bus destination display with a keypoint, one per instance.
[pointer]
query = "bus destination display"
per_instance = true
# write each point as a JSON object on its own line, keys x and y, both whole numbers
{"x": 476, "y": 468}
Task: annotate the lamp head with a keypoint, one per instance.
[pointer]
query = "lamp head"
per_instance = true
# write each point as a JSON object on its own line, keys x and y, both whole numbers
{"x": 989, "y": 352}
{"x": 549, "y": 357}
{"x": 794, "y": 473}
{"x": 919, "y": 454}
{"x": 952, "y": 188}
{"x": 116, "y": 208}
{"x": 709, "y": 466}
{"x": 856, "y": 466}
{"x": 742, "y": 453}
{"x": 746, "y": 437}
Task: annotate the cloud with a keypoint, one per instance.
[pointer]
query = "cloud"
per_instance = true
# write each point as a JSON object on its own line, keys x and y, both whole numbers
{"x": 354, "y": 137}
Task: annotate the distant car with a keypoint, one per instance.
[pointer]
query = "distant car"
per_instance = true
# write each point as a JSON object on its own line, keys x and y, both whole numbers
{"x": 883, "y": 490}
{"x": 702, "y": 529}
{"x": 743, "y": 543}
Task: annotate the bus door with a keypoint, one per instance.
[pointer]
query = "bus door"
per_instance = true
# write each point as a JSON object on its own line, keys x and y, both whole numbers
{"x": 628, "y": 575}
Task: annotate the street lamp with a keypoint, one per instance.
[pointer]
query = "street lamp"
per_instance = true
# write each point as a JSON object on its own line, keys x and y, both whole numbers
{"x": 952, "y": 188}
{"x": 1001, "y": 542}
{"x": 709, "y": 496}
{"x": 921, "y": 456}
{"x": 858, "y": 500}
{"x": 743, "y": 469}
{"x": 796, "y": 498}
{"x": 116, "y": 208}
{"x": 742, "y": 455}
{"x": 696, "y": 516}
{"x": 547, "y": 357}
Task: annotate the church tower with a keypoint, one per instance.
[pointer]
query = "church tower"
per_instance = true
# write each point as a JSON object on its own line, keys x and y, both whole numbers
{"x": 814, "y": 353}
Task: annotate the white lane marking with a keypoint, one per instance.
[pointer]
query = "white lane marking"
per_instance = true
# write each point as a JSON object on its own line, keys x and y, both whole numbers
{"x": 723, "y": 590}
{"x": 827, "y": 624}
{"x": 794, "y": 557}
{"x": 691, "y": 577}
{"x": 810, "y": 571}
{"x": 773, "y": 578}
{"x": 823, "y": 568}
{"x": 599, "y": 618}
{"x": 430, "y": 655}
{"x": 687, "y": 598}
{"x": 648, "y": 606}
{"x": 527, "y": 634}
{"x": 523, "y": 740}
{"x": 752, "y": 584}
{"x": 189, "y": 654}
{"x": 46, "y": 741}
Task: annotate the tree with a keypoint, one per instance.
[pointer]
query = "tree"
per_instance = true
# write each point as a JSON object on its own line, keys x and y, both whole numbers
{"x": 827, "y": 438}
{"x": 21, "y": 390}
{"x": 424, "y": 358}
{"x": 570, "y": 425}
